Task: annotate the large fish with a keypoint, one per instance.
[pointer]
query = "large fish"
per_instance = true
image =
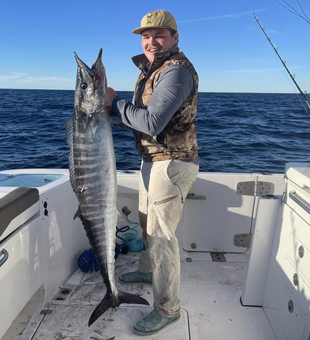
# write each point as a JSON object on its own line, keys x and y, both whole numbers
{"x": 93, "y": 176}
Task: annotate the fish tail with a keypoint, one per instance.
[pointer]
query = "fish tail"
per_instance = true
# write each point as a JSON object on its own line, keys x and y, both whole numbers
{"x": 130, "y": 298}
{"x": 111, "y": 301}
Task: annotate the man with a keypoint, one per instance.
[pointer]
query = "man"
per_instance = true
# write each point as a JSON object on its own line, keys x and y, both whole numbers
{"x": 162, "y": 118}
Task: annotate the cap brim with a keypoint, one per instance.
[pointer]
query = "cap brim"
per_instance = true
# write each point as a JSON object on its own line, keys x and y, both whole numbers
{"x": 141, "y": 29}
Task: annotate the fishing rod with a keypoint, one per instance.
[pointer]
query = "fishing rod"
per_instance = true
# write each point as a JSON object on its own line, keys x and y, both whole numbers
{"x": 283, "y": 62}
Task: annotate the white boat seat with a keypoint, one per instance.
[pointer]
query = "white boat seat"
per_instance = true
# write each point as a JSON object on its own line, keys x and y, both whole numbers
{"x": 17, "y": 207}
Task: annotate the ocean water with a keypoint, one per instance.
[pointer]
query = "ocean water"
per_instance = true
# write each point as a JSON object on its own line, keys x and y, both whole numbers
{"x": 237, "y": 132}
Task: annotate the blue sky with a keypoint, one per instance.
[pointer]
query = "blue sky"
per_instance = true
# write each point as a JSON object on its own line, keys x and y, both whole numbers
{"x": 220, "y": 37}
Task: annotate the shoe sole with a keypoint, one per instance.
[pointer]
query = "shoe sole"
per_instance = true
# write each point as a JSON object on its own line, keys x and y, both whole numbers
{"x": 135, "y": 283}
{"x": 152, "y": 333}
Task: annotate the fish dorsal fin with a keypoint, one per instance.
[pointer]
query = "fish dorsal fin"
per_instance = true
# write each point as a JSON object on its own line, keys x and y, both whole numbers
{"x": 69, "y": 131}
{"x": 69, "y": 135}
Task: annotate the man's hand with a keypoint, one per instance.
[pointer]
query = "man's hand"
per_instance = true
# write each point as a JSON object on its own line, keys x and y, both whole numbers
{"x": 110, "y": 94}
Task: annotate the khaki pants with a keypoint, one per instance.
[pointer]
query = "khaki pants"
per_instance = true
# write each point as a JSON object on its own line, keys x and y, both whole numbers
{"x": 164, "y": 186}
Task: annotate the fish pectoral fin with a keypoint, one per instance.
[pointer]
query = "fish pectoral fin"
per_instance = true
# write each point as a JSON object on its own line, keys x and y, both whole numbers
{"x": 130, "y": 298}
{"x": 77, "y": 214}
{"x": 111, "y": 301}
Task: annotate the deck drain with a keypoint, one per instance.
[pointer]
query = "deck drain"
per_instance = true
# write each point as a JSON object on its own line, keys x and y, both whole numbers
{"x": 218, "y": 257}
{"x": 62, "y": 294}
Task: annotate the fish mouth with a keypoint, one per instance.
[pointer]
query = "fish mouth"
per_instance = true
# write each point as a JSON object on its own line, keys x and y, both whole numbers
{"x": 99, "y": 57}
{"x": 81, "y": 63}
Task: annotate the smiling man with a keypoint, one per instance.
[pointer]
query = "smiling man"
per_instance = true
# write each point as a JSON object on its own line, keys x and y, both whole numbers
{"x": 155, "y": 40}
{"x": 162, "y": 117}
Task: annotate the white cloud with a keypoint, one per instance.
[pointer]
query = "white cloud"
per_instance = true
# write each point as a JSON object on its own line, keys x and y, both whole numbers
{"x": 272, "y": 32}
{"x": 20, "y": 80}
{"x": 23, "y": 77}
{"x": 13, "y": 75}
{"x": 32, "y": 79}
{"x": 253, "y": 70}
{"x": 232, "y": 15}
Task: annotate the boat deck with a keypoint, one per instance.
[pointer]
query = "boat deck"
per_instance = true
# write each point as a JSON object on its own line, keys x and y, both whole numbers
{"x": 211, "y": 309}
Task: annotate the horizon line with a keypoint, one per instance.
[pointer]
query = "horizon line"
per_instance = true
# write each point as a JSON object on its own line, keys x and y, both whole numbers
{"x": 1, "y": 88}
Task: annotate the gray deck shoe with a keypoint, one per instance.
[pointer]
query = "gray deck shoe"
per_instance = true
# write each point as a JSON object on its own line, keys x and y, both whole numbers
{"x": 153, "y": 323}
{"x": 136, "y": 278}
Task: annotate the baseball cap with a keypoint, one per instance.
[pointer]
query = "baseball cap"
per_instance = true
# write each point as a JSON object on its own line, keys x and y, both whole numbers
{"x": 157, "y": 19}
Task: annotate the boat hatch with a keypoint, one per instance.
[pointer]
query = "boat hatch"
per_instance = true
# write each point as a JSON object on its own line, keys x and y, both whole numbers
{"x": 28, "y": 180}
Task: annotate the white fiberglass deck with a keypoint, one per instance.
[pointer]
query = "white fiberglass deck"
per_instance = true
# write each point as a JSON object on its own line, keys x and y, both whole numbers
{"x": 211, "y": 308}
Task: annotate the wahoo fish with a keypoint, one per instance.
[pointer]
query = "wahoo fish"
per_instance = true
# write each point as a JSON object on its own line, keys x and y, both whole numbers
{"x": 93, "y": 176}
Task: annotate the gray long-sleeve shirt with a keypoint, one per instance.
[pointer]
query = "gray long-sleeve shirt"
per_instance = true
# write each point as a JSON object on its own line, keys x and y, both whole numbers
{"x": 174, "y": 86}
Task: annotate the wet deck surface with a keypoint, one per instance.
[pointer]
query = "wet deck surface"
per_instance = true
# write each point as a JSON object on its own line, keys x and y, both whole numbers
{"x": 211, "y": 309}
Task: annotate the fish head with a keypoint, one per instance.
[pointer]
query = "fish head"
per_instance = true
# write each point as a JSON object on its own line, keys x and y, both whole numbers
{"x": 90, "y": 89}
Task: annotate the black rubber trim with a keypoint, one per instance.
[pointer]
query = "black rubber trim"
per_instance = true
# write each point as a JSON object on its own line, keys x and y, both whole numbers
{"x": 14, "y": 203}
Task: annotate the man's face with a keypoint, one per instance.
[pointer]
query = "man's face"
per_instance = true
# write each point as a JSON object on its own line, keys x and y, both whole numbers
{"x": 156, "y": 40}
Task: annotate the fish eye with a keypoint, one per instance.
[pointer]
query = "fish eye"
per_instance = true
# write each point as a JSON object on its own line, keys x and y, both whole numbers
{"x": 83, "y": 86}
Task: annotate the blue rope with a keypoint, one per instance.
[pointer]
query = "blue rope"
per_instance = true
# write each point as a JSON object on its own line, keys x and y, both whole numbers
{"x": 87, "y": 261}
{"x": 118, "y": 247}
{"x": 133, "y": 244}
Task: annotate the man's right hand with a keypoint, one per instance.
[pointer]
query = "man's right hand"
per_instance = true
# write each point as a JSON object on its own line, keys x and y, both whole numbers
{"x": 110, "y": 94}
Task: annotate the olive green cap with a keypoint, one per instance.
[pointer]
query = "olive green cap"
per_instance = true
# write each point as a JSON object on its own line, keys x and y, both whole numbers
{"x": 157, "y": 19}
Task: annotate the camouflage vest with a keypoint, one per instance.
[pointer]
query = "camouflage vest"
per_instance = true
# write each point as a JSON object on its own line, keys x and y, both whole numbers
{"x": 178, "y": 139}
